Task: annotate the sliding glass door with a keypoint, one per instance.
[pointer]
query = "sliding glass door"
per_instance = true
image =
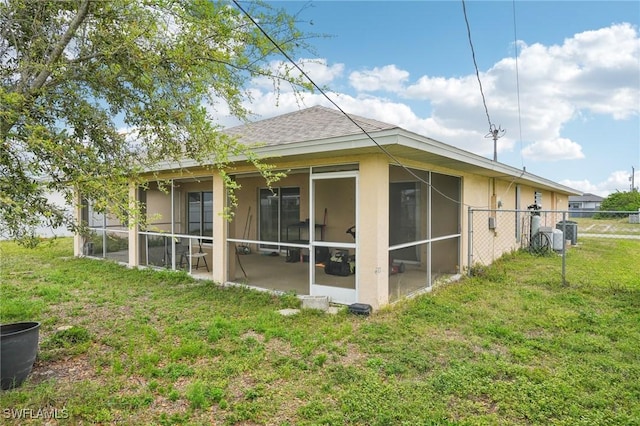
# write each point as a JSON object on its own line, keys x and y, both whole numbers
{"x": 279, "y": 208}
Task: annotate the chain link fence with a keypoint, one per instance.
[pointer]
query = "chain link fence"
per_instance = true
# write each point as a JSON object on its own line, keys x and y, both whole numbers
{"x": 493, "y": 233}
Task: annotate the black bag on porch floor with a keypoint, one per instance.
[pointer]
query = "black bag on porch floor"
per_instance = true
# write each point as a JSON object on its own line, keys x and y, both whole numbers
{"x": 293, "y": 256}
{"x": 322, "y": 254}
{"x": 340, "y": 264}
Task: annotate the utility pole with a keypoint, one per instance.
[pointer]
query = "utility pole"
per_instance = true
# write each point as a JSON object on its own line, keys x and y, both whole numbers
{"x": 495, "y": 134}
{"x": 632, "y": 178}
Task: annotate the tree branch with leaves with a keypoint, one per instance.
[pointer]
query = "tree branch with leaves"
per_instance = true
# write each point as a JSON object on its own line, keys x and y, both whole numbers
{"x": 79, "y": 78}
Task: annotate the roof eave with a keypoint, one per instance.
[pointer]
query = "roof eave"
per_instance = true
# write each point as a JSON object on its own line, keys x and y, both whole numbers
{"x": 495, "y": 168}
{"x": 387, "y": 139}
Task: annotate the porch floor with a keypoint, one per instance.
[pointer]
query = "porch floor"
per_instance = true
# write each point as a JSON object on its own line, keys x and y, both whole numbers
{"x": 274, "y": 273}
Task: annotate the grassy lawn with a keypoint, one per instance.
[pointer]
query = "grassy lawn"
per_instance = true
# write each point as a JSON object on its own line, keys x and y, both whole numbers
{"x": 513, "y": 346}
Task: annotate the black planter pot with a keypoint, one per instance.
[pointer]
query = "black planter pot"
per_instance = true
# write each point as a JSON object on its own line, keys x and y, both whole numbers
{"x": 18, "y": 349}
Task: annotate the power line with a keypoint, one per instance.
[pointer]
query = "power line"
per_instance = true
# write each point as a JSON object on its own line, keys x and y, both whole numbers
{"x": 515, "y": 44}
{"x": 493, "y": 130}
{"x": 475, "y": 64}
{"x": 494, "y": 133}
{"x": 383, "y": 149}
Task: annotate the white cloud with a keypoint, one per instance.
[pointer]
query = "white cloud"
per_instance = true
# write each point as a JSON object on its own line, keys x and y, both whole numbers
{"x": 388, "y": 77}
{"x": 558, "y": 84}
{"x": 553, "y": 150}
{"x": 320, "y": 71}
{"x": 595, "y": 71}
{"x": 440, "y": 89}
{"x": 317, "y": 69}
{"x": 616, "y": 181}
{"x": 263, "y": 100}
{"x": 583, "y": 185}
{"x": 266, "y": 104}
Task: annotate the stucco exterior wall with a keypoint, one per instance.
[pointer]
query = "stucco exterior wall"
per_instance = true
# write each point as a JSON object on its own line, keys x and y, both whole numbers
{"x": 373, "y": 235}
{"x": 509, "y": 230}
{"x": 220, "y": 252}
{"x": 372, "y": 220}
{"x": 476, "y": 194}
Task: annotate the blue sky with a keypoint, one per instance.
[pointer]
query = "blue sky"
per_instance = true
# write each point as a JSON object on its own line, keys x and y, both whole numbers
{"x": 570, "y": 107}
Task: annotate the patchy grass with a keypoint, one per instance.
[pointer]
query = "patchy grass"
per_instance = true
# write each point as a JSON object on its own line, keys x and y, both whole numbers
{"x": 513, "y": 346}
{"x": 611, "y": 226}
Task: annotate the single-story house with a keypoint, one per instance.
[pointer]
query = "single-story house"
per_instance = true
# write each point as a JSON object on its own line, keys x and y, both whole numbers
{"x": 584, "y": 205}
{"x": 353, "y": 220}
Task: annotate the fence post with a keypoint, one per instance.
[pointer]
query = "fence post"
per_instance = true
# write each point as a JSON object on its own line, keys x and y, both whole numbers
{"x": 470, "y": 242}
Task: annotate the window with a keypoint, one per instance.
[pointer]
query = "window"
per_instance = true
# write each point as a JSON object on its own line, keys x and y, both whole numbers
{"x": 279, "y": 208}
{"x": 200, "y": 213}
{"x": 537, "y": 198}
{"x": 405, "y": 215}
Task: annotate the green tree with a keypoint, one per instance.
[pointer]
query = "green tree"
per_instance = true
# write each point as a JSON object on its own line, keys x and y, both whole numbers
{"x": 620, "y": 201}
{"x": 94, "y": 92}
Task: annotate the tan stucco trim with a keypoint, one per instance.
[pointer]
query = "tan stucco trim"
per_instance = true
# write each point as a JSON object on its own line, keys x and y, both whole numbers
{"x": 373, "y": 231}
{"x": 77, "y": 238}
{"x": 219, "y": 263}
{"x": 134, "y": 237}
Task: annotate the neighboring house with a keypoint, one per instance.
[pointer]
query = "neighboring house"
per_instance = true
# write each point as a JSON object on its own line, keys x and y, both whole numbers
{"x": 398, "y": 227}
{"x": 585, "y": 205}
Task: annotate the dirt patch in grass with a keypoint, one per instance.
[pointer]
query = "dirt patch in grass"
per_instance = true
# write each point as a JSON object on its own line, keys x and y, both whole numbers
{"x": 252, "y": 334}
{"x": 67, "y": 370}
{"x": 239, "y": 385}
{"x": 352, "y": 356}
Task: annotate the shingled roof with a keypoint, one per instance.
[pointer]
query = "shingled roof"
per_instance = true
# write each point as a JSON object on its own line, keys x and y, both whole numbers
{"x": 319, "y": 132}
{"x": 309, "y": 124}
{"x": 586, "y": 197}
